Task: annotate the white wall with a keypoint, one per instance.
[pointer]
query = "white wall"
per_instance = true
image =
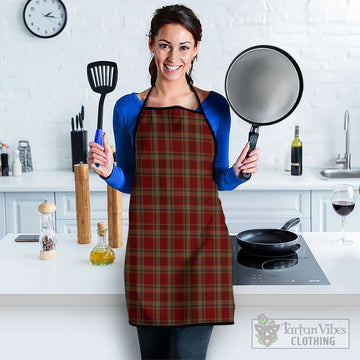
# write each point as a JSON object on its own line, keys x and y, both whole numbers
{"x": 43, "y": 82}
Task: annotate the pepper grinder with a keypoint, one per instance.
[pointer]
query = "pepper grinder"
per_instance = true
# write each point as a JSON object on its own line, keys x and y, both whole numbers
{"x": 47, "y": 233}
{"x": 114, "y": 210}
{"x": 82, "y": 197}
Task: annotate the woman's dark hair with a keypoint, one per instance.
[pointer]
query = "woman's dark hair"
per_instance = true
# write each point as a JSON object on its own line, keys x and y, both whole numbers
{"x": 174, "y": 14}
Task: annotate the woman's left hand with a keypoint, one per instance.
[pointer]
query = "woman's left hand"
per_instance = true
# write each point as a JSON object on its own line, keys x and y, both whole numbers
{"x": 248, "y": 165}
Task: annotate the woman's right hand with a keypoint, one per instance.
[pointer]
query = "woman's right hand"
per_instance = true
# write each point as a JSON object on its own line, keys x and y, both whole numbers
{"x": 102, "y": 156}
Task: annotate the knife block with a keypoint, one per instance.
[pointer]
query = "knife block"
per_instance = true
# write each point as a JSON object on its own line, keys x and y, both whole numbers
{"x": 78, "y": 147}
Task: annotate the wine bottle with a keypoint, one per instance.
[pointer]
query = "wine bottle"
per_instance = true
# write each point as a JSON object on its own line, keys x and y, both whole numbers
{"x": 4, "y": 161}
{"x": 296, "y": 154}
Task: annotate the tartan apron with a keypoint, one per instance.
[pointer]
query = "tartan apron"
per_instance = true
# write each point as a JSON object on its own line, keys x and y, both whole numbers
{"x": 178, "y": 263}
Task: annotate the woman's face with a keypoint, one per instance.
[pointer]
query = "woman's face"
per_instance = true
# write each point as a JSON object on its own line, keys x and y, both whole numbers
{"x": 173, "y": 49}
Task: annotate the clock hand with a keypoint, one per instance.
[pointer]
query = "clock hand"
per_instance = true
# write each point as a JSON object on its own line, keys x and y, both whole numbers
{"x": 48, "y": 15}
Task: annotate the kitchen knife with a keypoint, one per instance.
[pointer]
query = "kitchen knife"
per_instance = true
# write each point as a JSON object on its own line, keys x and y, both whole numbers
{"x": 80, "y": 121}
{"x": 77, "y": 122}
{"x": 72, "y": 124}
{"x": 82, "y": 112}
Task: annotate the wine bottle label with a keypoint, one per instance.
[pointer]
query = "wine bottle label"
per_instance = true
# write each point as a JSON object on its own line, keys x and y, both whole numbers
{"x": 296, "y": 160}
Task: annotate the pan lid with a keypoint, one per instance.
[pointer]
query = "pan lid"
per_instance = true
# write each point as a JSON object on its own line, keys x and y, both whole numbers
{"x": 263, "y": 85}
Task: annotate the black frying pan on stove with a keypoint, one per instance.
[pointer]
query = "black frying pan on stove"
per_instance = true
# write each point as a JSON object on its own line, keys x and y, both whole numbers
{"x": 270, "y": 241}
{"x": 263, "y": 85}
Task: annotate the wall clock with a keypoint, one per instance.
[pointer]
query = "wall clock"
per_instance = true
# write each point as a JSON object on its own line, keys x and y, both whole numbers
{"x": 45, "y": 18}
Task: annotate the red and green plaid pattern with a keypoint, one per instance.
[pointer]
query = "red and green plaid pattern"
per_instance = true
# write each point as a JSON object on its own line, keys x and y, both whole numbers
{"x": 178, "y": 268}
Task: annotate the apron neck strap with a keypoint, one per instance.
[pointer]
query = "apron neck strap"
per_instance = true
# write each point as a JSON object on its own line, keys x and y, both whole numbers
{"x": 198, "y": 99}
{"x": 146, "y": 98}
{"x": 192, "y": 89}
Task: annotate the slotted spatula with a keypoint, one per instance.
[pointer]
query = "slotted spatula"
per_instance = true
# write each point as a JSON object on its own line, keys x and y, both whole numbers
{"x": 102, "y": 76}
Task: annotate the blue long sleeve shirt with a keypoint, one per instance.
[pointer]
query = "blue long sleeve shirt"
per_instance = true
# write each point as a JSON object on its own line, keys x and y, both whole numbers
{"x": 126, "y": 112}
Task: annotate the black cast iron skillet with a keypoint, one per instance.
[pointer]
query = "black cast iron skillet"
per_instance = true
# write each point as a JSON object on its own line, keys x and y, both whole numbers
{"x": 263, "y": 85}
{"x": 278, "y": 262}
{"x": 270, "y": 241}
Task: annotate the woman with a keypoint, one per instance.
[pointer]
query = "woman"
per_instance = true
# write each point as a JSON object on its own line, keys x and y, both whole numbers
{"x": 172, "y": 156}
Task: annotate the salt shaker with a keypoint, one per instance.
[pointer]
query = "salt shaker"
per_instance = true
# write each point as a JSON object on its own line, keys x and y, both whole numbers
{"x": 47, "y": 233}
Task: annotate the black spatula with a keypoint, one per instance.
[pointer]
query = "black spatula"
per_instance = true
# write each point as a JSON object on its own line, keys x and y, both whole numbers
{"x": 102, "y": 76}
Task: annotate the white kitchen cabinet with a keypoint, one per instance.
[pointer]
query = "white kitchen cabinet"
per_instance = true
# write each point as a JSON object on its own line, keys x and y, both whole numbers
{"x": 243, "y": 210}
{"x": 66, "y": 210}
{"x": 265, "y": 209}
{"x": 22, "y": 214}
{"x": 324, "y": 217}
{"x": 2, "y": 216}
{"x": 66, "y": 205}
{"x": 69, "y": 226}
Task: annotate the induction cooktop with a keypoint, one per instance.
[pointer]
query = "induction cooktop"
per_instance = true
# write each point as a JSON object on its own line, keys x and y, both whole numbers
{"x": 297, "y": 268}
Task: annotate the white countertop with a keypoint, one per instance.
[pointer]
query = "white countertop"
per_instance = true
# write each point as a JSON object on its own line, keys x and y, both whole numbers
{"x": 48, "y": 180}
{"x": 268, "y": 178}
{"x": 265, "y": 179}
{"x": 23, "y": 273}
{"x": 339, "y": 263}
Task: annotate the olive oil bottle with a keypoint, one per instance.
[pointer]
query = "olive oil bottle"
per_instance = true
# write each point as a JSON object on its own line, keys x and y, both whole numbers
{"x": 296, "y": 154}
{"x": 102, "y": 253}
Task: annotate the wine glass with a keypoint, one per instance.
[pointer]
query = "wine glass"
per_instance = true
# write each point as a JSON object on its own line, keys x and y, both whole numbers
{"x": 343, "y": 203}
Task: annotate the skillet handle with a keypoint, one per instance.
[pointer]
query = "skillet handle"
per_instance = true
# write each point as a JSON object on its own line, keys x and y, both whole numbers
{"x": 253, "y": 137}
{"x": 296, "y": 247}
{"x": 291, "y": 223}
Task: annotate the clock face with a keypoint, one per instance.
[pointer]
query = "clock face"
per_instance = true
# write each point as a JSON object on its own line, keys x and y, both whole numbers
{"x": 45, "y": 18}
